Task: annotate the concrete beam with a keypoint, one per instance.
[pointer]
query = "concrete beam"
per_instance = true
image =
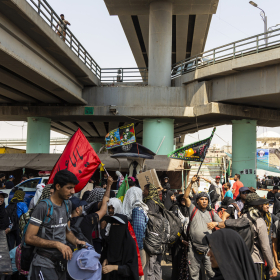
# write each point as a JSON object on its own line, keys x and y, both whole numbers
{"x": 24, "y": 16}
{"x": 182, "y": 23}
{"x": 130, "y": 33}
{"x": 141, "y": 7}
{"x": 21, "y": 55}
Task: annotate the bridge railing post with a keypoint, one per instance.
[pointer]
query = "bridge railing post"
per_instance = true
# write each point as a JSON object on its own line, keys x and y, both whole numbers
{"x": 257, "y": 44}
{"x": 39, "y": 6}
{"x": 233, "y": 50}
{"x": 214, "y": 54}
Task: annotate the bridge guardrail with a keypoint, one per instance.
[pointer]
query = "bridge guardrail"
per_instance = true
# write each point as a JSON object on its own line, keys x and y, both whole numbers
{"x": 244, "y": 47}
{"x": 53, "y": 20}
{"x": 124, "y": 75}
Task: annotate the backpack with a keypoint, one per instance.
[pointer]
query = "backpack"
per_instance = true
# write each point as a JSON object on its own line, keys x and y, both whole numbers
{"x": 28, "y": 251}
{"x": 245, "y": 228}
{"x": 23, "y": 221}
{"x": 11, "y": 211}
{"x": 175, "y": 226}
{"x": 155, "y": 234}
{"x": 194, "y": 211}
{"x": 78, "y": 232}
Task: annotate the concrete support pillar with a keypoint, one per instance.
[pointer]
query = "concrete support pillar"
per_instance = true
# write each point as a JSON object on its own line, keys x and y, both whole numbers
{"x": 160, "y": 43}
{"x": 244, "y": 145}
{"x": 159, "y": 133}
{"x": 38, "y": 135}
{"x": 96, "y": 146}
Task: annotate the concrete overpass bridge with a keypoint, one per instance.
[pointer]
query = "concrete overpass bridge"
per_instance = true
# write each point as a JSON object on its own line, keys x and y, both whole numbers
{"x": 234, "y": 84}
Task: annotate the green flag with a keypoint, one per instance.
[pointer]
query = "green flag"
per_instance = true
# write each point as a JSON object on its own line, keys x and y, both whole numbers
{"x": 123, "y": 189}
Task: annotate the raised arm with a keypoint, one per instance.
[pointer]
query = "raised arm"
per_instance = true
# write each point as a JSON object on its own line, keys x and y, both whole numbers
{"x": 103, "y": 209}
{"x": 109, "y": 184}
{"x": 205, "y": 179}
{"x": 188, "y": 190}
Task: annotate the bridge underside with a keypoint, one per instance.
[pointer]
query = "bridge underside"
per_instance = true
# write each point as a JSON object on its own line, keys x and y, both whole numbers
{"x": 67, "y": 120}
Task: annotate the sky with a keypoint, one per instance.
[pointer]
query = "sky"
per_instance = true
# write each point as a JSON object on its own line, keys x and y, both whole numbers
{"x": 103, "y": 37}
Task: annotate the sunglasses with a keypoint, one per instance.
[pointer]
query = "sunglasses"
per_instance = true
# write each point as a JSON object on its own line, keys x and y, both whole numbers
{"x": 247, "y": 192}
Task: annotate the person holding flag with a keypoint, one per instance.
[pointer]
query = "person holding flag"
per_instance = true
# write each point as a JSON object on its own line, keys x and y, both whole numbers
{"x": 123, "y": 189}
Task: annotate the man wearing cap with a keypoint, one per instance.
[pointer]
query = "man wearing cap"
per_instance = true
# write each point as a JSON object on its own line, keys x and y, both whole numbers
{"x": 165, "y": 188}
{"x": 241, "y": 198}
{"x": 216, "y": 183}
{"x": 83, "y": 220}
{"x": 202, "y": 221}
{"x": 10, "y": 183}
{"x": 255, "y": 211}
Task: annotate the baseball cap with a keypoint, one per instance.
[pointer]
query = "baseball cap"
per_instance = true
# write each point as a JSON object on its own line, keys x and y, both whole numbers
{"x": 85, "y": 264}
{"x": 218, "y": 177}
{"x": 275, "y": 188}
{"x": 244, "y": 189}
{"x": 4, "y": 194}
{"x": 62, "y": 15}
{"x": 11, "y": 176}
{"x": 76, "y": 202}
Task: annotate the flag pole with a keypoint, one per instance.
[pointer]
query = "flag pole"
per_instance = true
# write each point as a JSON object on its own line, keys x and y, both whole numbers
{"x": 199, "y": 167}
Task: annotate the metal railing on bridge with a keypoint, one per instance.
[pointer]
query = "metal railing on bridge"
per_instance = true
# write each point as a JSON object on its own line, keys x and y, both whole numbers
{"x": 54, "y": 21}
{"x": 124, "y": 75}
{"x": 241, "y": 48}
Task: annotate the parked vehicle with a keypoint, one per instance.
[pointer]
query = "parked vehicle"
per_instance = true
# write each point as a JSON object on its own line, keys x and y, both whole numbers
{"x": 28, "y": 186}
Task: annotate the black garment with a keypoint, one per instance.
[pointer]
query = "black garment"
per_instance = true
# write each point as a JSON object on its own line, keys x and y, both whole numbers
{"x": 120, "y": 250}
{"x": 233, "y": 258}
{"x": 271, "y": 196}
{"x": 88, "y": 224}
{"x": 112, "y": 194}
{"x": 218, "y": 275}
{"x": 4, "y": 219}
{"x": 153, "y": 207}
{"x": 165, "y": 186}
{"x": 9, "y": 185}
{"x": 177, "y": 250}
{"x": 276, "y": 206}
{"x": 213, "y": 195}
{"x": 168, "y": 202}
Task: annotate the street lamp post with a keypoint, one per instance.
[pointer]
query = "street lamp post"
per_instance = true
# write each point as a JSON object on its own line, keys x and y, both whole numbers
{"x": 264, "y": 18}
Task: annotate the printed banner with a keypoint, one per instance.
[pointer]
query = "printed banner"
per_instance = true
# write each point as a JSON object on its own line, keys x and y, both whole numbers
{"x": 120, "y": 136}
{"x": 78, "y": 157}
{"x": 193, "y": 152}
{"x": 263, "y": 155}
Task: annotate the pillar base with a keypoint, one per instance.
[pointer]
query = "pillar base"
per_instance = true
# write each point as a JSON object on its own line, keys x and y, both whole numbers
{"x": 158, "y": 135}
{"x": 244, "y": 147}
{"x": 96, "y": 146}
{"x": 38, "y": 135}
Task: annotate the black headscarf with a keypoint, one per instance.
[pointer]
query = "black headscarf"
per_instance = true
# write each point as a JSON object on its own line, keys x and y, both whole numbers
{"x": 168, "y": 202}
{"x": 4, "y": 220}
{"x": 183, "y": 208}
{"x": 122, "y": 249}
{"x": 232, "y": 255}
{"x": 276, "y": 206}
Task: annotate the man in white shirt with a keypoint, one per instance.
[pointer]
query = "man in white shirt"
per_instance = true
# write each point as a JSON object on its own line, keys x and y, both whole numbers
{"x": 217, "y": 184}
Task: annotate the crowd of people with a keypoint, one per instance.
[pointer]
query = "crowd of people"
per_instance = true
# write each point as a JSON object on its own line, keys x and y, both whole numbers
{"x": 226, "y": 233}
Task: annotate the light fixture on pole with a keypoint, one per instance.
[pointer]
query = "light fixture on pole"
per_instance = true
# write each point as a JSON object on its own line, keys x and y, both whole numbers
{"x": 264, "y": 18}
{"x": 271, "y": 28}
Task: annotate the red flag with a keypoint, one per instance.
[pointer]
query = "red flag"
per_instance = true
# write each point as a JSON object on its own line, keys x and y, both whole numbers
{"x": 78, "y": 157}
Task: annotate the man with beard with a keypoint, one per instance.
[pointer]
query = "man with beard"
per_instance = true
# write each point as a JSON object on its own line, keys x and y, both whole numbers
{"x": 256, "y": 210}
{"x": 165, "y": 188}
{"x": 200, "y": 216}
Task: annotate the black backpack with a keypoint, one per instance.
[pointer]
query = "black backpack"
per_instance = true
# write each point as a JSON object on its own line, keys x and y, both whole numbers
{"x": 245, "y": 228}
{"x": 78, "y": 232}
{"x": 11, "y": 211}
{"x": 155, "y": 234}
{"x": 175, "y": 225}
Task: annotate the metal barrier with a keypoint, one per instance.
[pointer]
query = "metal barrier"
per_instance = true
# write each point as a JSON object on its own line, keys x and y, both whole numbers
{"x": 124, "y": 75}
{"x": 54, "y": 21}
{"x": 244, "y": 47}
